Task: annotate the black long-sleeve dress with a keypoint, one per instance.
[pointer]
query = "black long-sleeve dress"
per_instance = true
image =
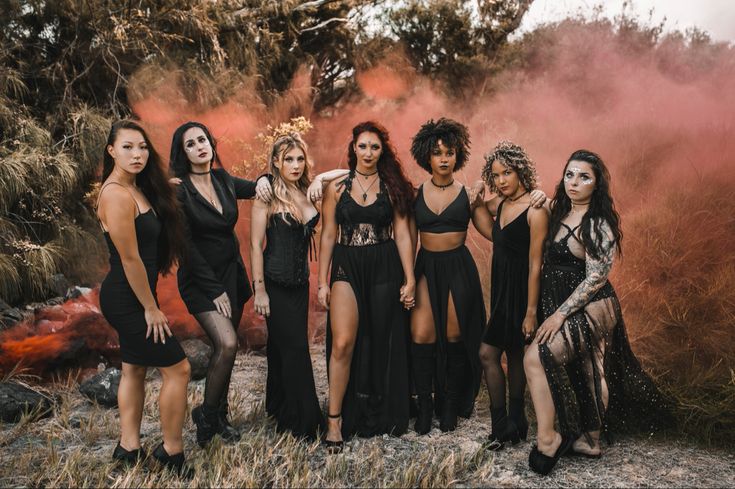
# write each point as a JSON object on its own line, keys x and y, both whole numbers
{"x": 213, "y": 264}
{"x": 290, "y": 395}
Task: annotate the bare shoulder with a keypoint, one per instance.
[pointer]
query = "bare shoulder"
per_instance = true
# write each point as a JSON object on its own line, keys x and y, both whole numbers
{"x": 537, "y": 214}
{"x": 113, "y": 197}
{"x": 492, "y": 205}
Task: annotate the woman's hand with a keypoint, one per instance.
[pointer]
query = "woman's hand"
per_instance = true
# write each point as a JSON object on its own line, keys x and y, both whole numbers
{"x": 530, "y": 323}
{"x": 157, "y": 324}
{"x": 222, "y": 303}
{"x": 314, "y": 192}
{"x": 174, "y": 181}
{"x": 538, "y": 198}
{"x": 476, "y": 193}
{"x": 323, "y": 295}
{"x": 263, "y": 189}
{"x": 549, "y": 328}
{"x": 408, "y": 294}
{"x": 262, "y": 303}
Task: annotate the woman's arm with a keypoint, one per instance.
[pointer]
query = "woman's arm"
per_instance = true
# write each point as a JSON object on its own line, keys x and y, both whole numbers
{"x": 258, "y": 223}
{"x": 483, "y": 221}
{"x": 314, "y": 192}
{"x": 539, "y": 223}
{"x": 117, "y": 211}
{"x": 326, "y": 244}
{"x": 406, "y": 251}
{"x": 247, "y": 189}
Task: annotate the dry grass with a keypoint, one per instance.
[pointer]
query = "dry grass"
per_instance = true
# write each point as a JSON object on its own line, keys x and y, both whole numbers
{"x": 73, "y": 449}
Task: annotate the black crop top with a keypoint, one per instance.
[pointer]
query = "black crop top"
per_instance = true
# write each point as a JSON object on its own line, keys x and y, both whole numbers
{"x": 454, "y": 218}
{"x": 285, "y": 259}
{"x": 361, "y": 225}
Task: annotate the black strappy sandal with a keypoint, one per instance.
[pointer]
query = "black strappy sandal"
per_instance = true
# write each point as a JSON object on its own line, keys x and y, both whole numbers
{"x": 333, "y": 447}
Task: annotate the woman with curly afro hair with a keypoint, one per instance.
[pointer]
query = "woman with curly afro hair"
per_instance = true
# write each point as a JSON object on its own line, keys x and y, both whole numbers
{"x": 447, "y": 323}
{"x": 518, "y": 236}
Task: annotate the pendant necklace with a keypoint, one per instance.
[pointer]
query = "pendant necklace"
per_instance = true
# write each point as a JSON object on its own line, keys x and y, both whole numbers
{"x": 364, "y": 190}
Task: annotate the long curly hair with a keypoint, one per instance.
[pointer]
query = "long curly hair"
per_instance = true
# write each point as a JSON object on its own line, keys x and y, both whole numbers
{"x": 283, "y": 200}
{"x": 451, "y": 133}
{"x": 512, "y": 156}
{"x": 179, "y": 160}
{"x": 153, "y": 182}
{"x": 601, "y": 209}
{"x": 390, "y": 171}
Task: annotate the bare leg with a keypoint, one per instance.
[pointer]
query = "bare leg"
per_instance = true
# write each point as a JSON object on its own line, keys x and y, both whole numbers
{"x": 344, "y": 321}
{"x": 130, "y": 397}
{"x": 548, "y": 439}
{"x": 423, "y": 330}
{"x": 172, "y": 405}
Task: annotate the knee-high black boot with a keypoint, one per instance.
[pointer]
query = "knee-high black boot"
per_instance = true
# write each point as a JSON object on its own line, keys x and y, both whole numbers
{"x": 422, "y": 361}
{"x": 456, "y": 376}
{"x": 517, "y": 414}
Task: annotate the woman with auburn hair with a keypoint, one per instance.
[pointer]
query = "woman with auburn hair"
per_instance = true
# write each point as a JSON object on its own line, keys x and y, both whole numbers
{"x": 580, "y": 366}
{"x": 518, "y": 236}
{"x": 370, "y": 284}
{"x": 212, "y": 279}
{"x": 139, "y": 215}
{"x": 281, "y": 283}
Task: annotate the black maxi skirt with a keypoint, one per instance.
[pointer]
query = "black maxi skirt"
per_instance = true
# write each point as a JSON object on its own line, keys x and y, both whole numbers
{"x": 290, "y": 393}
{"x": 377, "y": 397}
{"x": 454, "y": 271}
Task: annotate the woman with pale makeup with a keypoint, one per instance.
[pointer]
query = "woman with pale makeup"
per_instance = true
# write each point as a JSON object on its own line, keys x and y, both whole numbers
{"x": 366, "y": 240}
{"x": 518, "y": 235}
{"x": 281, "y": 283}
{"x": 580, "y": 367}
{"x": 140, "y": 217}
{"x": 212, "y": 279}
{"x": 449, "y": 317}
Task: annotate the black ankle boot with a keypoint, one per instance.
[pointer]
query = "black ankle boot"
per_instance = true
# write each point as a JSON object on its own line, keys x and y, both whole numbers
{"x": 176, "y": 463}
{"x": 456, "y": 366}
{"x": 499, "y": 421}
{"x": 128, "y": 457}
{"x": 422, "y": 362}
{"x": 517, "y": 414}
{"x": 206, "y": 422}
{"x": 228, "y": 432}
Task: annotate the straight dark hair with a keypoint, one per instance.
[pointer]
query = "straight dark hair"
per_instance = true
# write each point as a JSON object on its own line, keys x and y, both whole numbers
{"x": 179, "y": 161}
{"x": 153, "y": 182}
{"x": 601, "y": 209}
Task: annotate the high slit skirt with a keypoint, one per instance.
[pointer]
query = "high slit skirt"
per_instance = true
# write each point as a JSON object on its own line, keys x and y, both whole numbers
{"x": 454, "y": 271}
{"x": 290, "y": 391}
{"x": 377, "y": 397}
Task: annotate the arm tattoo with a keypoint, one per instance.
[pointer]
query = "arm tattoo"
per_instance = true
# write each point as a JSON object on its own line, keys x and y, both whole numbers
{"x": 596, "y": 276}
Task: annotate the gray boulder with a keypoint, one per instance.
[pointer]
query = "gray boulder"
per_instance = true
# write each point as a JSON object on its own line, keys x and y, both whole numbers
{"x": 17, "y": 400}
{"x": 103, "y": 387}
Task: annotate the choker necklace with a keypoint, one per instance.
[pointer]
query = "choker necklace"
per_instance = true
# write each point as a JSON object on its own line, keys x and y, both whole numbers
{"x": 366, "y": 174}
{"x": 441, "y": 186}
{"x": 513, "y": 200}
{"x": 200, "y": 172}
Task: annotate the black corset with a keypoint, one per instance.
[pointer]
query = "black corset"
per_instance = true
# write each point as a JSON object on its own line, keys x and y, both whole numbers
{"x": 287, "y": 250}
{"x": 364, "y": 225}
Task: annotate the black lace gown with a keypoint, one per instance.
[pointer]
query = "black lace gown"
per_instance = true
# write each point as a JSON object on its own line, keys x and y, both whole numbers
{"x": 290, "y": 391}
{"x": 591, "y": 353}
{"x": 377, "y": 397}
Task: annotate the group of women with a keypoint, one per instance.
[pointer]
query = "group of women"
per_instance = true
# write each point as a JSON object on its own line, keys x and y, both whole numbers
{"x": 400, "y": 324}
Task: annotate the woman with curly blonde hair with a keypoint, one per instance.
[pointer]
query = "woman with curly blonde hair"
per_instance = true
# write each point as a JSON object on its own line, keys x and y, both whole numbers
{"x": 518, "y": 236}
{"x": 281, "y": 283}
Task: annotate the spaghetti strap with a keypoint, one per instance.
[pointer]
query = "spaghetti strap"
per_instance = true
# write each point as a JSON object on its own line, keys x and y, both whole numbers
{"x": 137, "y": 208}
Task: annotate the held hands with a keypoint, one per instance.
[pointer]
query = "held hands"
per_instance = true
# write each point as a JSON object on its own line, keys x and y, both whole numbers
{"x": 408, "y": 296}
{"x": 549, "y": 328}
{"x": 263, "y": 190}
{"x": 222, "y": 303}
{"x": 323, "y": 295}
{"x": 314, "y": 192}
{"x": 262, "y": 303}
{"x": 538, "y": 198}
{"x": 157, "y": 324}
{"x": 530, "y": 323}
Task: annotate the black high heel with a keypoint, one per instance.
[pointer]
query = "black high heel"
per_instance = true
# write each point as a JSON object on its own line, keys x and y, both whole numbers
{"x": 128, "y": 457}
{"x": 542, "y": 464}
{"x": 175, "y": 463}
{"x": 333, "y": 447}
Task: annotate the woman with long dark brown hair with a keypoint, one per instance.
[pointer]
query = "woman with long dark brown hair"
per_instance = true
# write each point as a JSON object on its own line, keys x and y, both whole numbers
{"x": 141, "y": 221}
{"x": 370, "y": 285}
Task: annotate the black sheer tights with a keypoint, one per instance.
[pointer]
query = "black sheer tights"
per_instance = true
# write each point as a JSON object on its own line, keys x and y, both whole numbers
{"x": 495, "y": 377}
{"x": 222, "y": 333}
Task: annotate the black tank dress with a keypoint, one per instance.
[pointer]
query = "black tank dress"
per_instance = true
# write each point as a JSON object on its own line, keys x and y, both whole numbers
{"x": 452, "y": 271}
{"x": 121, "y": 307}
{"x": 290, "y": 395}
{"x": 377, "y": 397}
{"x": 509, "y": 283}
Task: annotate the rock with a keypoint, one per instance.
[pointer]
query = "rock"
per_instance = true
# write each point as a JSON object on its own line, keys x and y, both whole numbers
{"x": 198, "y": 353}
{"x": 59, "y": 284}
{"x": 76, "y": 291}
{"x": 103, "y": 387}
{"x": 9, "y": 316}
{"x": 257, "y": 337}
{"x": 16, "y": 400}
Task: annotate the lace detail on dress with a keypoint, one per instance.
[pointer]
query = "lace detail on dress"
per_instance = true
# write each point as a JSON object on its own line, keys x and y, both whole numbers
{"x": 363, "y": 234}
{"x": 364, "y": 225}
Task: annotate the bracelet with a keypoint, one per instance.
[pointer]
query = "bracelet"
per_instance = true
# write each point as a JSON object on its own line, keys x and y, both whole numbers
{"x": 322, "y": 285}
